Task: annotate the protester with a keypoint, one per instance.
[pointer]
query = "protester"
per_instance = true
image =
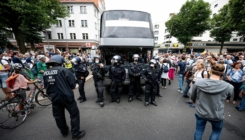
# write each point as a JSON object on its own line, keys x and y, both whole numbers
{"x": 209, "y": 96}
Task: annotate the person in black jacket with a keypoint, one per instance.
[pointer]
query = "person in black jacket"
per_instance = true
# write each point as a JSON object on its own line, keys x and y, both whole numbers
{"x": 134, "y": 71}
{"x": 152, "y": 78}
{"x": 160, "y": 72}
{"x": 118, "y": 75}
{"x": 81, "y": 73}
{"x": 99, "y": 71}
{"x": 59, "y": 85}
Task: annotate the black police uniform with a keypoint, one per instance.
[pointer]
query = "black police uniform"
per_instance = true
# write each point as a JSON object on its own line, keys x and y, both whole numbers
{"x": 118, "y": 75}
{"x": 134, "y": 75}
{"x": 81, "y": 71}
{"x": 158, "y": 86}
{"x": 152, "y": 78}
{"x": 59, "y": 84}
{"x": 98, "y": 76}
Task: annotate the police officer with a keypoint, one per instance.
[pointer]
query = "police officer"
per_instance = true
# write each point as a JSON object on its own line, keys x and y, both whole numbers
{"x": 160, "y": 72}
{"x": 118, "y": 75}
{"x": 59, "y": 85}
{"x": 81, "y": 73}
{"x": 152, "y": 78}
{"x": 99, "y": 71}
{"x": 134, "y": 71}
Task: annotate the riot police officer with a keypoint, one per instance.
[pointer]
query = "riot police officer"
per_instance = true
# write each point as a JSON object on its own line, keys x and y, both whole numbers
{"x": 152, "y": 78}
{"x": 81, "y": 73}
{"x": 99, "y": 71}
{"x": 160, "y": 72}
{"x": 118, "y": 75}
{"x": 134, "y": 71}
{"x": 59, "y": 84}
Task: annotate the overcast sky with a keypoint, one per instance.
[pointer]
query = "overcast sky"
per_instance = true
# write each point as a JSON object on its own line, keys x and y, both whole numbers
{"x": 159, "y": 9}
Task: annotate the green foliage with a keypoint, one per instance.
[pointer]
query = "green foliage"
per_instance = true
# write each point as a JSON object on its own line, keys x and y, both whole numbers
{"x": 19, "y": 16}
{"x": 237, "y": 14}
{"x": 221, "y": 29}
{"x": 193, "y": 19}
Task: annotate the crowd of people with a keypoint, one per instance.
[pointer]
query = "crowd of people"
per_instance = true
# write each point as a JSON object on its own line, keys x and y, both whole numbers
{"x": 210, "y": 80}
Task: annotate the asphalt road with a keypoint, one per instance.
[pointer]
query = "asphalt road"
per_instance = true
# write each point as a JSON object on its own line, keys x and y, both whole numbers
{"x": 172, "y": 119}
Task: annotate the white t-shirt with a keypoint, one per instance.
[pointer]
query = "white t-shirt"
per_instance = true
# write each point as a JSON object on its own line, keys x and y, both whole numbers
{"x": 198, "y": 75}
{"x": 3, "y": 62}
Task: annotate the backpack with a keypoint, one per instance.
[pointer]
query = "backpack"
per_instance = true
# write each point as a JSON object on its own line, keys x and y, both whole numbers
{"x": 11, "y": 80}
{"x": 188, "y": 72}
{"x": 165, "y": 68}
{"x": 203, "y": 74}
{"x": 34, "y": 69}
{"x": 11, "y": 68}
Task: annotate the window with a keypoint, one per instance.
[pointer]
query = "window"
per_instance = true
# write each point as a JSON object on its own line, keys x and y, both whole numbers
{"x": 200, "y": 35}
{"x": 167, "y": 37}
{"x": 59, "y": 24}
{"x": 84, "y": 23}
{"x": 70, "y": 9}
{"x": 95, "y": 25}
{"x": 60, "y": 35}
{"x": 85, "y": 35}
{"x": 156, "y": 26}
{"x": 156, "y": 32}
{"x": 216, "y": 5}
{"x": 71, "y": 23}
{"x": 156, "y": 38}
{"x": 10, "y": 35}
{"x": 49, "y": 35}
{"x": 72, "y": 35}
{"x": 95, "y": 12}
{"x": 166, "y": 30}
{"x": 83, "y": 10}
{"x": 234, "y": 39}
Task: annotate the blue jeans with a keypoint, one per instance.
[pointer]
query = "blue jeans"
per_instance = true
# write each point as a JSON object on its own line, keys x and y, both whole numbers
{"x": 200, "y": 127}
{"x": 181, "y": 81}
{"x": 3, "y": 79}
{"x": 242, "y": 104}
{"x": 187, "y": 86}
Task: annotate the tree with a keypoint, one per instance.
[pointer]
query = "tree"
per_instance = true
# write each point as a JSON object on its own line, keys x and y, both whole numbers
{"x": 193, "y": 19}
{"x": 237, "y": 14}
{"x": 221, "y": 28}
{"x": 17, "y": 16}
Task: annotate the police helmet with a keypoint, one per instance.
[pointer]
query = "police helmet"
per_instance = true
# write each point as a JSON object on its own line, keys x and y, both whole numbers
{"x": 117, "y": 59}
{"x": 56, "y": 59}
{"x": 135, "y": 56}
{"x": 76, "y": 60}
{"x": 97, "y": 56}
{"x": 17, "y": 66}
{"x": 153, "y": 61}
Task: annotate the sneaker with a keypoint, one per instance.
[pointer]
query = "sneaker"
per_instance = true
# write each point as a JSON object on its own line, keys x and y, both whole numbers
{"x": 181, "y": 91}
{"x": 178, "y": 90}
{"x": 185, "y": 96}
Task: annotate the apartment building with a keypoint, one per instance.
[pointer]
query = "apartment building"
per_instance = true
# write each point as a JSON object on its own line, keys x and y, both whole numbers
{"x": 81, "y": 29}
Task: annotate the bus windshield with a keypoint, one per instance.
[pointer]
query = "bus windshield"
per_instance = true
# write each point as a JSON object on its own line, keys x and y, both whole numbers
{"x": 126, "y": 24}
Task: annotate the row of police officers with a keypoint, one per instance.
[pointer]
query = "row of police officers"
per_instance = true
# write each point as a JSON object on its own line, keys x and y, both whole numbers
{"x": 60, "y": 82}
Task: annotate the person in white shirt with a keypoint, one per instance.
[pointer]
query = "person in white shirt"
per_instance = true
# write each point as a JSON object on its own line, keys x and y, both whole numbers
{"x": 164, "y": 76}
{"x": 241, "y": 59}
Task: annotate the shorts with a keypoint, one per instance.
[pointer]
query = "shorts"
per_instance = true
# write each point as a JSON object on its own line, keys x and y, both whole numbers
{"x": 41, "y": 79}
{"x": 3, "y": 79}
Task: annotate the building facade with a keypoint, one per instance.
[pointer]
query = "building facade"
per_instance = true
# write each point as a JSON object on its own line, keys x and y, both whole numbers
{"x": 81, "y": 29}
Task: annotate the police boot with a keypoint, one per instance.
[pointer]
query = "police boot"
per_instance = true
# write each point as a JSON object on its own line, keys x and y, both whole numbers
{"x": 79, "y": 98}
{"x": 146, "y": 104}
{"x": 138, "y": 98}
{"x": 101, "y": 104}
{"x": 83, "y": 100}
{"x": 118, "y": 101}
{"x": 98, "y": 100}
{"x": 112, "y": 100}
{"x": 159, "y": 95}
{"x": 154, "y": 103}
{"x": 130, "y": 99}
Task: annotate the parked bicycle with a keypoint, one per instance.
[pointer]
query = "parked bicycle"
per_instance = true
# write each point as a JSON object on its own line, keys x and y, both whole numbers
{"x": 11, "y": 115}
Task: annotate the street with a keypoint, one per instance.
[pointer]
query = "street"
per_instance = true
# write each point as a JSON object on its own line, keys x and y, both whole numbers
{"x": 172, "y": 119}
